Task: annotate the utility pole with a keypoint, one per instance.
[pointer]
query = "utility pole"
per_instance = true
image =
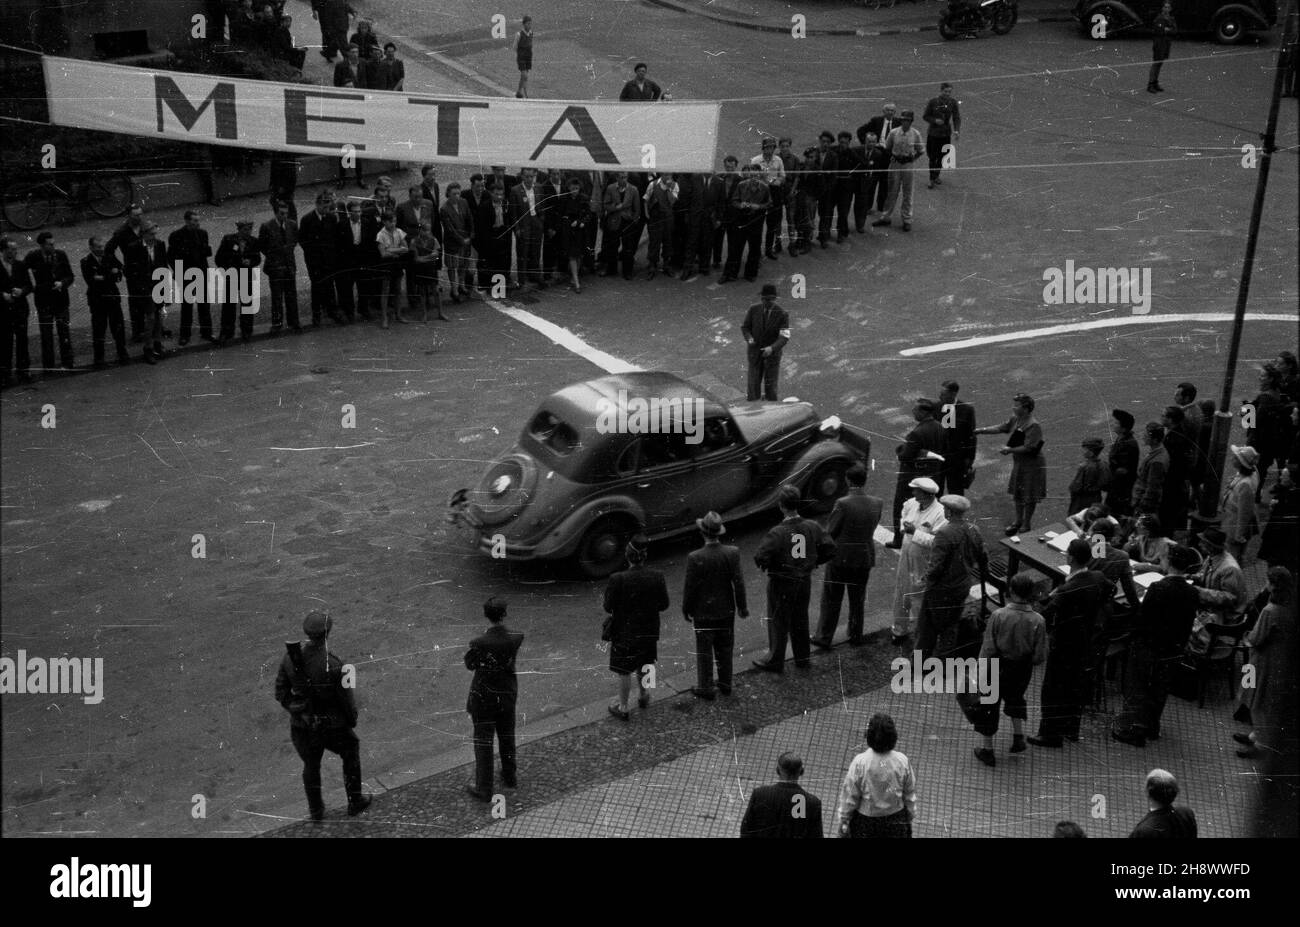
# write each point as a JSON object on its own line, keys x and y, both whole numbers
{"x": 1218, "y": 451}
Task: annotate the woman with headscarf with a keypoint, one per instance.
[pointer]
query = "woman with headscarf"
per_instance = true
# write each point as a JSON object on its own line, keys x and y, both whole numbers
{"x": 634, "y": 598}
{"x": 878, "y": 797}
{"x": 1269, "y": 703}
{"x": 1028, "y": 483}
{"x": 921, "y": 519}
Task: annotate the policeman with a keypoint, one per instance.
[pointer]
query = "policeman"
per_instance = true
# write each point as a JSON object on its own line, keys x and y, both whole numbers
{"x": 322, "y": 714}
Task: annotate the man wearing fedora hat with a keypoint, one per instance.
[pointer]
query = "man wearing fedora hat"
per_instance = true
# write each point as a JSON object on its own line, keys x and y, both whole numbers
{"x": 714, "y": 592}
{"x": 1221, "y": 585}
{"x": 1237, "y": 515}
{"x": 852, "y": 527}
{"x": 766, "y": 330}
{"x": 634, "y": 598}
{"x": 492, "y": 698}
{"x": 789, "y": 554}
{"x": 310, "y": 686}
{"x": 957, "y": 560}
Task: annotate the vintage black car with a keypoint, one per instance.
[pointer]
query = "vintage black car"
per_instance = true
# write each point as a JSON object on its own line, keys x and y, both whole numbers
{"x": 581, "y": 480}
{"x": 1227, "y": 20}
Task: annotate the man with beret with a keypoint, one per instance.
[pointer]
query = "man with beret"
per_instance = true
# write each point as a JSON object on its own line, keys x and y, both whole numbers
{"x": 920, "y": 454}
{"x": 957, "y": 561}
{"x": 715, "y": 591}
{"x": 1073, "y": 614}
{"x": 314, "y": 689}
{"x": 852, "y": 527}
{"x": 789, "y": 554}
{"x": 492, "y": 697}
{"x": 767, "y": 331}
{"x": 1122, "y": 461}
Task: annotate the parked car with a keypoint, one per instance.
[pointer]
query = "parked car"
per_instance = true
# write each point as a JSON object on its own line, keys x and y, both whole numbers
{"x": 1227, "y": 20}
{"x": 572, "y": 486}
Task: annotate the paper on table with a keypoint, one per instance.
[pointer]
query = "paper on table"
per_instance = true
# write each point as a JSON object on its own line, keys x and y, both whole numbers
{"x": 1146, "y": 579}
{"x": 1064, "y": 568}
{"x": 1062, "y": 540}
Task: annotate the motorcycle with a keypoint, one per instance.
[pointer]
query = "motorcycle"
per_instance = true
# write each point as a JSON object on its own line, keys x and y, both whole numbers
{"x": 963, "y": 19}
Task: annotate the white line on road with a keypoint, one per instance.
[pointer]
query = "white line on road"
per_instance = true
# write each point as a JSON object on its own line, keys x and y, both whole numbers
{"x": 1089, "y": 326}
{"x": 566, "y": 339}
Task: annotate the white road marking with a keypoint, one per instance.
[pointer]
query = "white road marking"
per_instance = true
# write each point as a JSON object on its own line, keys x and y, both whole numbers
{"x": 1089, "y": 326}
{"x": 566, "y": 339}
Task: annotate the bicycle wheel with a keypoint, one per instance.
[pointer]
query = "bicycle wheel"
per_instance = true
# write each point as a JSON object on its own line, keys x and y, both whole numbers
{"x": 109, "y": 197}
{"x": 27, "y": 206}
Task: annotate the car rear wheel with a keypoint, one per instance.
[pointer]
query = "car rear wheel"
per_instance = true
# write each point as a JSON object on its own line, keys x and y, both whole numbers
{"x": 600, "y": 552}
{"x": 826, "y": 484}
{"x": 1229, "y": 28}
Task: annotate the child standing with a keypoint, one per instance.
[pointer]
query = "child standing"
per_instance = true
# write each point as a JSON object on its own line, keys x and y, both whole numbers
{"x": 524, "y": 56}
{"x": 1091, "y": 477}
{"x": 1017, "y": 636}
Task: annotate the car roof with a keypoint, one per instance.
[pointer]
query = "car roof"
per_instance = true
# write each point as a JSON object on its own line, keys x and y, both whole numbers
{"x": 580, "y": 401}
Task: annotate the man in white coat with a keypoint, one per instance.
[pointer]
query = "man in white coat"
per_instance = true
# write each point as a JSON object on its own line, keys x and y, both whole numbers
{"x": 921, "y": 519}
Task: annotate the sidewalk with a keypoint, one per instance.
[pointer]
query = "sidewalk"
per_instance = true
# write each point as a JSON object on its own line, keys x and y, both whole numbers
{"x": 838, "y": 18}
{"x": 685, "y": 768}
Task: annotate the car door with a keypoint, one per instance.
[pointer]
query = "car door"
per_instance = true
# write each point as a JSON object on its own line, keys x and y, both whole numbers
{"x": 662, "y": 465}
{"x": 720, "y": 479}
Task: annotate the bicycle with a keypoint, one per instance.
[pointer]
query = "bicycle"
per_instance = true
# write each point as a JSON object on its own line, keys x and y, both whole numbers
{"x": 29, "y": 204}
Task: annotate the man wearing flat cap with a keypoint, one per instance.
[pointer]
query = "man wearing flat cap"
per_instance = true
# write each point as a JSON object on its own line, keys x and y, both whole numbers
{"x": 313, "y": 688}
{"x": 714, "y": 592}
{"x": 920, "y": 454}
{"x": 493, "y": 695}
{"x": 957, "y": 561}
{"x": 788, "y": 554}
{"x": 852, "y": 527}
{"x": 1122, "y": 461}
{"x": 766, "y": 330}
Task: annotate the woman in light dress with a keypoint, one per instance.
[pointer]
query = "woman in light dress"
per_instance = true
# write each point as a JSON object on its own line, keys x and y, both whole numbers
{"x": 921, "y": 519}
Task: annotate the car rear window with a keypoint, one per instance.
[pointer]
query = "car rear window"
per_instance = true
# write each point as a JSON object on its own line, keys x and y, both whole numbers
{"x": 548, "y": 430}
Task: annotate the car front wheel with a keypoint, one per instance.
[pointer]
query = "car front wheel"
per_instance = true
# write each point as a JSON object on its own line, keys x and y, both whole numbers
{"x": 826, "y": 485}
{"x": 601, "y": 550}
{"x": 1230, "y": 28}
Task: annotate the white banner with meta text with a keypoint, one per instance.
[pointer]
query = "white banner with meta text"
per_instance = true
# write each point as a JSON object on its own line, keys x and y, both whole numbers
{"x": 390, "y": 125}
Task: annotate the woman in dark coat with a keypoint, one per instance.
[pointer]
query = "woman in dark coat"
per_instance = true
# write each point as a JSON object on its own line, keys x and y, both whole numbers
{"x": 1028, "y": 484}
{"x": 1280, "y": 545}
{"x": 575, "y": 214}
{"x": 634, "y": 599}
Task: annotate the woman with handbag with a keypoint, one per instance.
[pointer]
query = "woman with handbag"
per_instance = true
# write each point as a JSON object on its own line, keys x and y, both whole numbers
{"x": 878, "y": 796}
{"x": 634, "y": 599}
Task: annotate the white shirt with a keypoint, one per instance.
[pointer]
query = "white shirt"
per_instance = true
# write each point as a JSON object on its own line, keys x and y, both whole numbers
{"x": 391, "y": 241}
{"x": 914, "y": 515}
{"x": 773, "y": 170}
{"x": 356, "y": 232}
{"x": 532, "y": 203}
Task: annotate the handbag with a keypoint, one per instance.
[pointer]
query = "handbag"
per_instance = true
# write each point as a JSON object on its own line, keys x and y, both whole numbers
{"x": 983, "y": 717}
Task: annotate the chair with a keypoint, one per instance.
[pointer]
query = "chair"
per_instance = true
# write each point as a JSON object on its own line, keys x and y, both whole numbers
{"x": 1225, "y": 643}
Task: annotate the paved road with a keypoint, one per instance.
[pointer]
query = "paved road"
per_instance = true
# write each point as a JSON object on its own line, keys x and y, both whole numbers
{"x": 1063, "y": 158}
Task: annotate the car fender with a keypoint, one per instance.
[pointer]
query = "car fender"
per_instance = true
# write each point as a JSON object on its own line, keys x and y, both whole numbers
{"x": 563, "y": 539}
{"x": 1250, "y": 14}
{"x": 799, "y": 470}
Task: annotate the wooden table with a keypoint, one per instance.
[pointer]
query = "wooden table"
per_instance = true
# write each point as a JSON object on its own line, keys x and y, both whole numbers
{"x": 1039, "y": 555}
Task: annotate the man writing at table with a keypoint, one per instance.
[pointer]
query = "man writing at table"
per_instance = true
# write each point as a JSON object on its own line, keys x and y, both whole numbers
{"x": 1112, "y": 562}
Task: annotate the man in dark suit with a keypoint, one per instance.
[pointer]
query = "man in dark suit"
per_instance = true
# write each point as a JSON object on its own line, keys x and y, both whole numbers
{"x": 1163, "y": 820}
{"x": 713, "y": 224}
{"x": 128, "y": 233}
{"x": 480, "y": 211}
{"x": 788, "y": 554}
{"x": 529, "y": 224}
{"x": 492, "y": 698}
{"x": 278, "y": 239}
{"x": 880, "y": 125}
{"x": 355, "y": 250}
{"x": 429, "y": 190}
{"x": 15, "y": 285}
{"x": 852, "y": 527}
{"x": 51, "y": 275}
{"x": 621, "y": 207}
{"x": 1073, "y": 613}
{"x": 318, "y": 234}
{"x": 747, "y": 209}
{"x": 238, "y": 251}
{"x": 496, "y": 242}
{"x": 143, "y": 258}
{"x": 333, "y": 16}
{"x": 783, "y": 809}
{"x": 189, "y": 245}
{"x": 1122, "y": 461}
{"x": 715, "y": 591}
{"x": 914, "y": 459}
{"x": 766, "y": 331}
{"x": 102, "y": 272}
{"x": 959, "y": 446}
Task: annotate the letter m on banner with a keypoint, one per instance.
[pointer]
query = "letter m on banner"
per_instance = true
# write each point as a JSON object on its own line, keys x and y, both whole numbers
{"x": 221, "y": 99}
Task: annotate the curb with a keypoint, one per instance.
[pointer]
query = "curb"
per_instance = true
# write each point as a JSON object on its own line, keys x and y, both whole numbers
{"x": 843, "y": 33}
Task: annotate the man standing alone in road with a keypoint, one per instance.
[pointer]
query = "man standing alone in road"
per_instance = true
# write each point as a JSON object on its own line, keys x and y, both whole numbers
{"x": 1162, "y": 33}
{"x": 944, "y": 119}
{"x": 492, "y": 698}
{"x": 767, "y": 331}
{"x": 715, "y": 591}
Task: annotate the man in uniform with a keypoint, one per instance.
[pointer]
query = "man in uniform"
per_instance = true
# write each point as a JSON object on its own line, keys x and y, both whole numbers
{"x": 189, "y": 245}
{"x": 102, "y": 272}
{"x": 957, "y": 560}
{"x": 51, "y": 276}
{"x": 944, "y": 119}
{"x": 788, "y": 554}
{"x": 715, "y": 591}
{"x": 852, "y": 527}
{"x": 767, "y": 331}
{"x": 492, "y": 697}
{"x": 238, "y": 250}
{"x": 322, "y": 715}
